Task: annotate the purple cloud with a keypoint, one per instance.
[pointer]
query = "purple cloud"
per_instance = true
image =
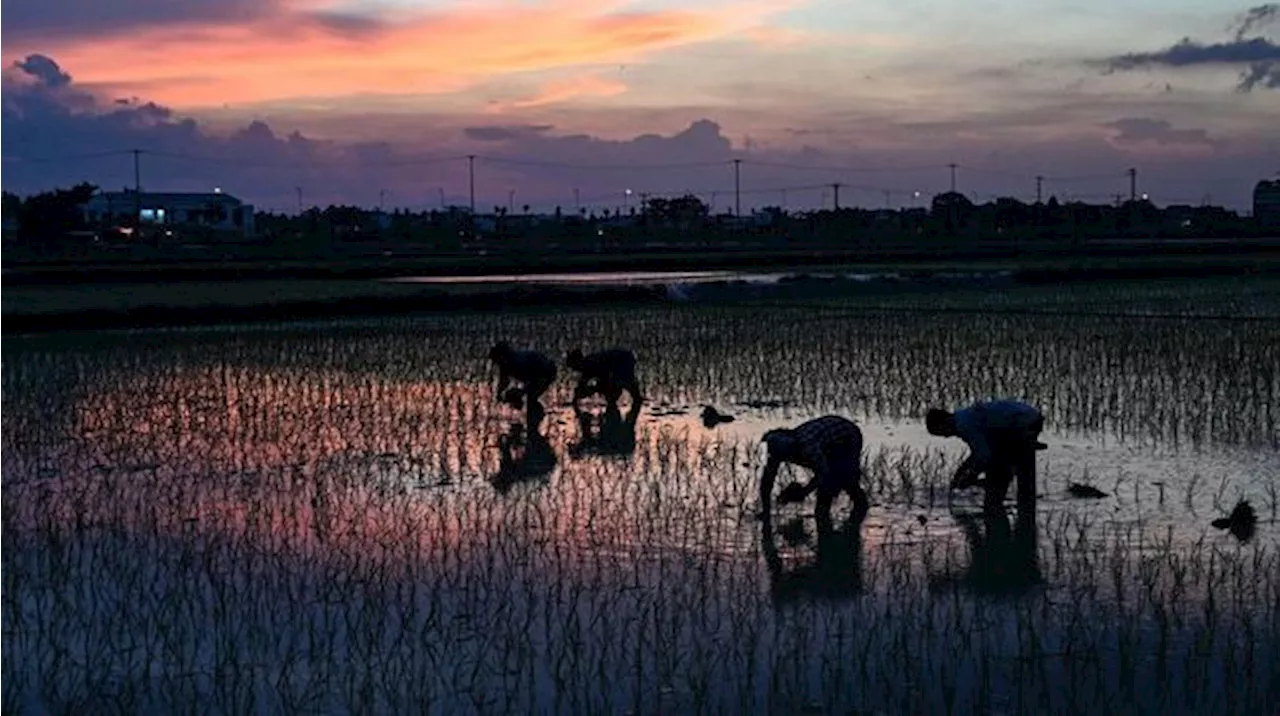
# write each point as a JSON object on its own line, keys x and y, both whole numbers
{"x": 1136, "y": 130}
{"x": 53, "y": 19}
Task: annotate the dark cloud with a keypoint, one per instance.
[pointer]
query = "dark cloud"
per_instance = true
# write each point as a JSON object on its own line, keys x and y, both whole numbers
{"x": 1264, "y": 74}
{"x": 1255, "y": 18}
{"x": 44, "y": 71}
{"x": 30, "y": 20}
{"x": 1258, "y": 57}
{"x": 344, "y": 23}
{"x": 1137, "y": 130}
{"x": 502, "y": 133}
{"x": 1188, "y": 52}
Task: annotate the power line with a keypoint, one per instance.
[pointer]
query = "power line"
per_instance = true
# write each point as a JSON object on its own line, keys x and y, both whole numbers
{"x": 517, "y": 161}
{"x": 69, "y": 157}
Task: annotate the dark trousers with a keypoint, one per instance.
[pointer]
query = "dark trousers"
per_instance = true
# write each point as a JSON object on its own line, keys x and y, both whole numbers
{"x": 845, "y": 476}
{"x": 1011, "y": 458}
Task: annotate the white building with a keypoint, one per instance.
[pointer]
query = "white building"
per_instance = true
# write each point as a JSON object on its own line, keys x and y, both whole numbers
{"x": 214, "y": 210}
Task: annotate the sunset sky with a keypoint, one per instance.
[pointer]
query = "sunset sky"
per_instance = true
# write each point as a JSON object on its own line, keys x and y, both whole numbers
{"x": 360, "y": 100}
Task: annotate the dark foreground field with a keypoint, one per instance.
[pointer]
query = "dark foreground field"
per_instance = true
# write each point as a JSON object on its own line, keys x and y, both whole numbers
{"x": 336, "y": 517}
{"x": 78, "y": 298}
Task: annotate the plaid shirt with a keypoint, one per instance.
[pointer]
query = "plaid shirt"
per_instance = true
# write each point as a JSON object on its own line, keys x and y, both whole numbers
{"x": 813, "y": 444}
{"x": 613, "y": 362}
{"x": 529, "y": 367}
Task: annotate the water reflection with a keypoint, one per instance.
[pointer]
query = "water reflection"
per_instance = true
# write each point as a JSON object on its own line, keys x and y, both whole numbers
{"x": 612, "y": 435}
{"x": 835, "y": 573}
{"x": 525, "y": 455}
{"x": 1003, "y": 561}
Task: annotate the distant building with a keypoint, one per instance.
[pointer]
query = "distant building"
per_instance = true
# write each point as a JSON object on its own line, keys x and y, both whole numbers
{"x": 213, "y": 210}
{"x": 1266, "y": 204}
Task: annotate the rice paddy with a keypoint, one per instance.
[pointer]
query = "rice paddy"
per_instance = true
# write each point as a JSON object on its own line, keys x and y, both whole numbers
{"x": 338, "y": 517}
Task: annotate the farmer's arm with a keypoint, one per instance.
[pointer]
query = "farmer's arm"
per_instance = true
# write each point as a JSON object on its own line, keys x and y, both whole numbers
{"x": 979, "y": 448}
{"x": 766, "y": 483}
{"x": 504, "y": 379}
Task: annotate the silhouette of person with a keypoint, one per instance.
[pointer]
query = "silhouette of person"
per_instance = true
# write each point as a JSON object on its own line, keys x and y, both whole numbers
{"x": 616, "y": 434}
{"x": 830, "y": 446}
{"x": 535, "y": 372}
{"x": 535, "y": 459}
{"x": 1002, "y": 562}
{"x": 608, "y": 372}
{"x": 835, "y": 572}
{"x": 1003, "y": 437}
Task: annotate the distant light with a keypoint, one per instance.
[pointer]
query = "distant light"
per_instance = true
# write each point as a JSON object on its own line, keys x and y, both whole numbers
{"x": 917, "y": 194}
{"x": 217, "y": 190}
{"x": 628, "y": 192}
{"x": 1144, "y": 197}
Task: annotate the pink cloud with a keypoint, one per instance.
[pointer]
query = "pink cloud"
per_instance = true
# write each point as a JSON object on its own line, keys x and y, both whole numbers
{"x": 295, "y": 50}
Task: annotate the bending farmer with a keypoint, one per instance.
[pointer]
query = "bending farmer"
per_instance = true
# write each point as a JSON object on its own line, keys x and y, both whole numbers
{"x": 1003, "y": 437}
{"x": 830, "y": 446}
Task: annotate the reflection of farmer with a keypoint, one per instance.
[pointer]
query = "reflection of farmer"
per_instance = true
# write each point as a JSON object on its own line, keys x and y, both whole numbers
{"x": 616, "y": 435}
{"x": 1003, "y": 437}
{"x": 533, "y": 370}
{"x": 535, "y": 461}
{"x": 835, "y": 573}
{"x": 608, "y": 372}
{"x": 830, "y": 446}
{"x": 1001, "y": 562}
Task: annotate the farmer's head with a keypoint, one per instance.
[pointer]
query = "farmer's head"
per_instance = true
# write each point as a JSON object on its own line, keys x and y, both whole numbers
{"x": 500, "y": 351}
{"x": 781, "y": 442}
{"x": 940, "y": 422}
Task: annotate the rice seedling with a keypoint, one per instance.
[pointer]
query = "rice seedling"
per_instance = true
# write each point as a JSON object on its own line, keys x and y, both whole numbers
{"x": 307, "y": 518}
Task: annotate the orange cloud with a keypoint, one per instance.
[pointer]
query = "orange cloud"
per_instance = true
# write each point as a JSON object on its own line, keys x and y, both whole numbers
{"x": 590, "y": 85}
{"x": 294, "y": 51}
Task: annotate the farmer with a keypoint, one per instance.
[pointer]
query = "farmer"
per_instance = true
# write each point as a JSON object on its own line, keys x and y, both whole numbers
{"x": 533, "y": 370}
{"x": 1003, "y": 437}
{"x": 608, "y": 372}
{"x": 830, "y": 446}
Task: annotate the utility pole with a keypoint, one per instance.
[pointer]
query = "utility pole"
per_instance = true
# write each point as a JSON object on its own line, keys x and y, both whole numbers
{"x": 577, "y": 200}
{"x": 836, "y": 196}
{"x": 784, "y": 199}
{"x": 952, "y": 165}
{"x": 737, "y": 188}
{"x": 1133, "y": 184}
{"x": 471, "y": 178}
{"x": 888, "y": 202}
{"x": 137, "y": 188}
{"x": 511, "y": 201}
{"x": 441, "y": 190}
{"x": 1039, "y": 189}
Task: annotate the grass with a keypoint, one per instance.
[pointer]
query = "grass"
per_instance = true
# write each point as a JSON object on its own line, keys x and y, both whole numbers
{"x": 301, "y": 517}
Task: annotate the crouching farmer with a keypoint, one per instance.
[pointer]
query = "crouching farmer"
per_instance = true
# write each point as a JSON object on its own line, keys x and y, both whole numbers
{"x": 609, "y": 372}
{"x": 534, "y": 371}
{"x": 830, "y": 446}
{"x": 1003, "y": 437}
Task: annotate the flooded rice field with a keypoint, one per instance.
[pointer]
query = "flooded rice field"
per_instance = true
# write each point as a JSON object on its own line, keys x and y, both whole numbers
{"x": 338, "y": 517}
